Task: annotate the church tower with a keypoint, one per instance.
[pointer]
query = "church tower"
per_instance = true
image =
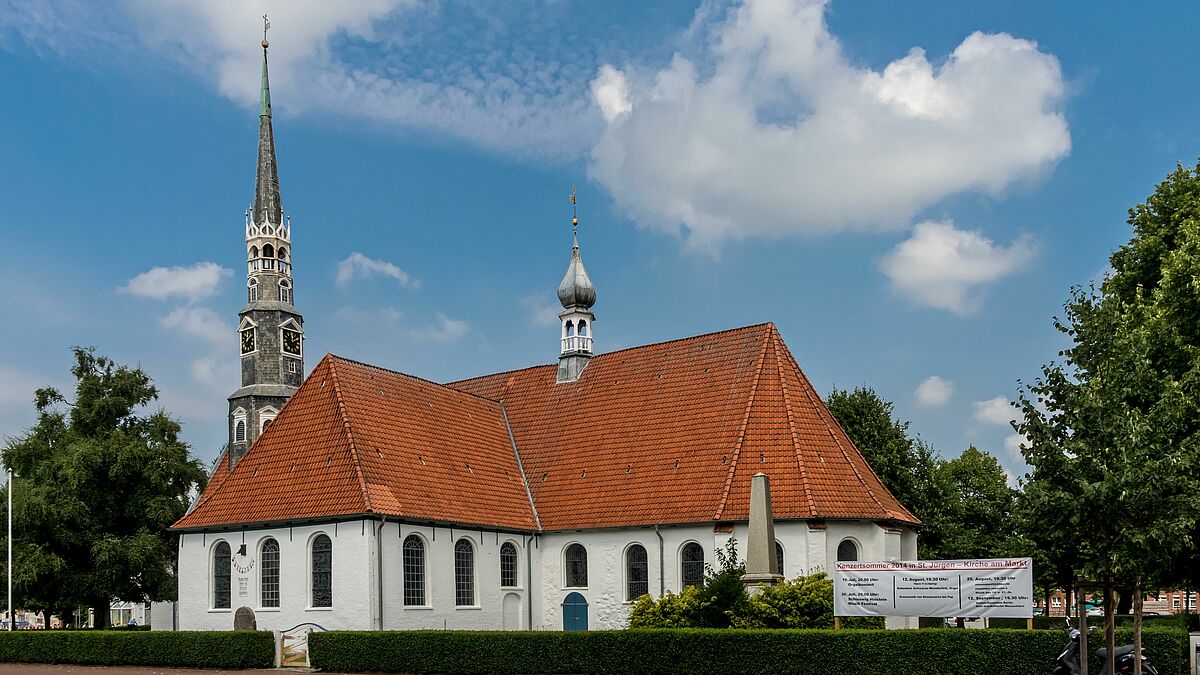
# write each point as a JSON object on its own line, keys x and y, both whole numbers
{"x": 577, "y": 295}
{"x": 270, "y": 330}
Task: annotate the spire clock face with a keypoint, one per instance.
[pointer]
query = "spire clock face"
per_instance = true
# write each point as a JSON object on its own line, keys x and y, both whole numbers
{"x": 291, "y": 342}
{"x": 247, "y": 340}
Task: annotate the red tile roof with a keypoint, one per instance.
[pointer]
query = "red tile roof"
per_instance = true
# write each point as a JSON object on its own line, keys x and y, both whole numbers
{"x": 356, "y": 439}
{"x": 672, "y": 433}
{"x": 663, "y": 433}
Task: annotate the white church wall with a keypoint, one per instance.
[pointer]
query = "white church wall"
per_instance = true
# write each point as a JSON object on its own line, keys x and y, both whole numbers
{"x": 351, "y": 590}
{"x": 440, "y": 611}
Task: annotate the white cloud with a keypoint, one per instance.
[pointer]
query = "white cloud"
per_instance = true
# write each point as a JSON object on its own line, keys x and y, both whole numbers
{"x": 202, "y": 323}
{"x": 943, "y": 267}
{"x": 444, "y": 329}
{"x": 611, "y": 92}
{"x": 997, "y": 411}
{"x": 934, "y": 391}
{"x": 543, "y": 309}
{"x": 359, "y": 266}
{"x": 772, "y": 130}
{"x": 194, "y": 282}
{"x": 484, "y": 74}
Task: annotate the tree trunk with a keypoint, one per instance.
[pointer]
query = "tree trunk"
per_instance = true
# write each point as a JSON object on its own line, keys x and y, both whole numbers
{"x": 1110, "y": 626}
{"x": 1137, "y": 627}
{"x": 1081, "y": 597}
{"x": 100, "y": 611}
{"x": 1067, "y": 607}
{"x": 1125, "y": 600}
{"x": 1047, "y": 591}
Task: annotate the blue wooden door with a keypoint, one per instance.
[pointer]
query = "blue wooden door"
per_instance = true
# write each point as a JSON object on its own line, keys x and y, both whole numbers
{"x": 575, "y": 612}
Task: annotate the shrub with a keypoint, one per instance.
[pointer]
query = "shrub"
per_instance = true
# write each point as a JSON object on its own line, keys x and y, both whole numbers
{"x": 806, "y": 602}
{"x": 713, "y": 604}
{"x": 845, "y": 652}
{"x": 195, "y": 649}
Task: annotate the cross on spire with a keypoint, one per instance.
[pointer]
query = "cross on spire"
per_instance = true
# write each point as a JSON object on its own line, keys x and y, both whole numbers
{"x": 266, "y": 27}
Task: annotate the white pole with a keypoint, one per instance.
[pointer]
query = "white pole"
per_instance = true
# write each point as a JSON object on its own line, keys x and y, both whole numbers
{"x": 10, "y": 609}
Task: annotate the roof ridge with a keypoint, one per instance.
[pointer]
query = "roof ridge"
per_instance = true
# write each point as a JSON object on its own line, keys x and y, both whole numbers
{"x": 617, "y": 351}
{"x": 787, "y": 404}
{"x": 341, "y": 404}
{"x": 521, "y": 467}
{"x": 737, "y": 447}
{"x": 417, "y": 378}
{"x": 819, "y": 406}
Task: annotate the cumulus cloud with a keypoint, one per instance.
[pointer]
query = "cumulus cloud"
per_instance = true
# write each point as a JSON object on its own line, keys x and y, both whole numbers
{"x": 359, "y": 266}
{"x": 999, "y": 411}
{"x": 200, "y": 322}
{"x": 772, "y": 130}
{"x": 192, "y": 283}
{"x": 444, "y": 329}
{"x": 1012, "y": 446}
{"x": 943, "y": 267}
{"x": 934, "y": 391}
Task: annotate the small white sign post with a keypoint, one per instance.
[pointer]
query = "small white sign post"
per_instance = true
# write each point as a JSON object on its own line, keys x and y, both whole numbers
{"x": 943, "y": 588}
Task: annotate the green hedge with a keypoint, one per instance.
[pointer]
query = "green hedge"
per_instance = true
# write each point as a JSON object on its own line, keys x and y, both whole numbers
{"x": 828, "y": 652}
{"x": 192, "y": 649}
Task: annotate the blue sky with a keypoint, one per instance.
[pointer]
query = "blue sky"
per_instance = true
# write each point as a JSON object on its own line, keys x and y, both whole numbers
{"x": 907, "y": 189}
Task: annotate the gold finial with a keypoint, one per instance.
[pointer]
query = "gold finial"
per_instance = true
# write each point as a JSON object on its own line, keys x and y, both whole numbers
{"x": 266, "y": 27}
{"x": 574, "y": 214}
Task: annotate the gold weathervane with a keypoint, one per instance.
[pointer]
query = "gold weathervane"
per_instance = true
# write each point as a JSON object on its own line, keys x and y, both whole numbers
{"x": 266, "y": 27}
{"x": 574, "y": 214}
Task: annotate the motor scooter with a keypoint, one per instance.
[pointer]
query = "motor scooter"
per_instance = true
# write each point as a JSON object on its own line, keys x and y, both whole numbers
{"x": 1068, "y": 661}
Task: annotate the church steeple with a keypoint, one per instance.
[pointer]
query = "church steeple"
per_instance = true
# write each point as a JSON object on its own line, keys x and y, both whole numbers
{"x": 270, "y": 330}
{"x": 577, "y": 295}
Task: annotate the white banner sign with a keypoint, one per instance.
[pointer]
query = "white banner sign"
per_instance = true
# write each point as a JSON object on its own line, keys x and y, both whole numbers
{"x": 946, "y": 588}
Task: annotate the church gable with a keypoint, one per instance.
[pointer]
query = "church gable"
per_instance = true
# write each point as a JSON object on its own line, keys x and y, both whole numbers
{"x": 301, "y": 467}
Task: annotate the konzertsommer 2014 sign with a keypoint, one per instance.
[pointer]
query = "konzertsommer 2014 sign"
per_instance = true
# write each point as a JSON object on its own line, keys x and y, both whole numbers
{"x": 946, "y": 588}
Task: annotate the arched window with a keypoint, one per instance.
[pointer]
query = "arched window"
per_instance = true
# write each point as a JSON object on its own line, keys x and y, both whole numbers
{"x": 582, "y": 327}
{"x": 464, "y": 573}
{"x": 222, "y": 575}
{"x": 779, "y": 557}
{"x": 270, "y": 573}
{"x": 414, "y": 571}
{"x": 267, "y": 422}
{"x": 693, "y": 565}
{"x": 570, "y": 328}
{"x": 285, "y": 291}
{"x": 575, "y": 558}
{"x": 847, "y": 550}
{"x": 239, "y": 431}
{"x": 508, "y": 564}
{"x": 282, "y": 253}
{"x": 322, "y": 571}
{"x": 253, "y": 292}
{"x": 253, "y": 252}
{"x": 637, "y": 572}
{"x": 268, "y": 251}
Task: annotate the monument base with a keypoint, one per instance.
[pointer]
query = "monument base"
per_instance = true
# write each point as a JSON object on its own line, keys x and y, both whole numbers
{"x": 755, "y": 583}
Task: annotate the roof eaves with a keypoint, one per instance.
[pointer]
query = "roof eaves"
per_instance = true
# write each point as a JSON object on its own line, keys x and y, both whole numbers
{"x": 537, "y": 521}
{"x": 358, "y": 470}
{"x": 737, "y": 447}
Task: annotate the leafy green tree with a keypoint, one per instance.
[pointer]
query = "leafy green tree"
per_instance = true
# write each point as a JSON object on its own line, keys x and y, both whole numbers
{"x": 97, "y": 485}
{"x": 982, "y": 507}
{"x": 1113, "y": 428}
{"x": 907, "y": 466}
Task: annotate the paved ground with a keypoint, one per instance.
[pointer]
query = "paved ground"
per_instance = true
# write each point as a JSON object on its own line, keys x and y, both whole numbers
{"x": 42, "y": 669}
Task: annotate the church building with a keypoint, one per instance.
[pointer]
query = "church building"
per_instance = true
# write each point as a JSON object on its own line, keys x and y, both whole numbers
{"x": 546, "y": 498}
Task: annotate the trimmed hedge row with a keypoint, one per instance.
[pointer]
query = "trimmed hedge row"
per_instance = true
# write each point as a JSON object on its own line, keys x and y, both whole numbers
{"x": 192, "y": 649}
{"x": 849, "y": 652}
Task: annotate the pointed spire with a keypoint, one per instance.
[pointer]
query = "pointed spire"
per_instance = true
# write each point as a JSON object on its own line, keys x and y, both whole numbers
{"x": 268, "y": 205}
{"x": 576, "y": 289}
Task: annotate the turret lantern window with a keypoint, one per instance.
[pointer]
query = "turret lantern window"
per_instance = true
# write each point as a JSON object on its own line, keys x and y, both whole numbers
{"x": 253, "y": 286}
{"x": 285, "y": 291}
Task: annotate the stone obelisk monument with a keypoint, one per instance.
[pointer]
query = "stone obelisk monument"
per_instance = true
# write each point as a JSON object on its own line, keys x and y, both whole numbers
{"x": 762, "y": 568}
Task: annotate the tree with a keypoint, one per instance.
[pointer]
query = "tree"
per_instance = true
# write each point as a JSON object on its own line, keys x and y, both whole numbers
{"x": 982, "y": 507}
{"x": 97, "y": 485}
{"x": 1114, "y": 429}
{"x": 906, "y": 466}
